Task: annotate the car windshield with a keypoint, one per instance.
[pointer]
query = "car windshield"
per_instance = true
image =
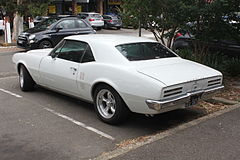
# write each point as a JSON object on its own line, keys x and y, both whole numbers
{"x": 47, "y": 23}
{"x": 144, "y": 51}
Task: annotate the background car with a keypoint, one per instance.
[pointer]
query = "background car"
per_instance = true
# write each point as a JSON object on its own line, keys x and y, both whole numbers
{"x": 95, "y": 19}
{"x": 51, "y": 31}
{"x": 228, "y": 47}
{"x": 112, "y": 21}
{"x": 118, "y": 74}
{"x": 39, "y": 19}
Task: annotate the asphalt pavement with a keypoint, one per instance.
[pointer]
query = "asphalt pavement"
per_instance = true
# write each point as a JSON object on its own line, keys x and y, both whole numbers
{"x": 214, "y": 139}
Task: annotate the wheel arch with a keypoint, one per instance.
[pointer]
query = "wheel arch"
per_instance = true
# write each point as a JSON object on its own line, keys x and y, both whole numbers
{"x": 110, "y": 84}
{"x": 46, "y": 39}
{"x": 96, "y": 84}
{"x": 19, "y": 65}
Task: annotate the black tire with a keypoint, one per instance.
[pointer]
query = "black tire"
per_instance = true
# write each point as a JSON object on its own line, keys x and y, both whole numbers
{"x": 118, "y": 28}
{"x": 45, "y": 44}
{"x": 105, "y": 26}
{"x": 25, "y": 80}
{"x": 121, "y": 110}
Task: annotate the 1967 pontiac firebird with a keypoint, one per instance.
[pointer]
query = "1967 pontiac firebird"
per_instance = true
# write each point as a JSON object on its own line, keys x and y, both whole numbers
{"x": 119, "y": 74}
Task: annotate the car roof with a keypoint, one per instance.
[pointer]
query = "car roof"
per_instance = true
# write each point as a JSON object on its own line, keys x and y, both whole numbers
{"x": 108, "y": 39}
{"x": 103, "y": 46}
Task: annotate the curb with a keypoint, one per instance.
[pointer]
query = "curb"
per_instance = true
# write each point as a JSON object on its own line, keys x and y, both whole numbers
{"x": 153, "y": 138}
{"x": 8, "y": 44}
{"x": 222, "y": 100}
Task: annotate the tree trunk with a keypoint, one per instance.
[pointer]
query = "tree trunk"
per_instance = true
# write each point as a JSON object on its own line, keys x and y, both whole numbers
{"x": 17, "y": 23}
{"x": 74, "y": 7}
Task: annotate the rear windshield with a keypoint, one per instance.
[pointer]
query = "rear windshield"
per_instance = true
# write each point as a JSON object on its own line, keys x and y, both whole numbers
{"x": 95, "y": 16}
{"x": 115, "y": 17}
{"x": 144, "y": 51}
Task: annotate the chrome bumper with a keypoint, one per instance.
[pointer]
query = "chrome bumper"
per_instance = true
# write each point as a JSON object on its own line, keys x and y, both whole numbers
{"x": 184, "y": 99}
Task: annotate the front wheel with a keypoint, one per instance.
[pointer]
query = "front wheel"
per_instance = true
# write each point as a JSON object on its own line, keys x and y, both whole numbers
{"x": 45, "y": 44}
{"x": 109, "y": 106}
{"x": 25, "y": 79}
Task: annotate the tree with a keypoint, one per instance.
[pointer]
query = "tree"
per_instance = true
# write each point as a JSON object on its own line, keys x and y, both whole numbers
{"x": 162, "y": 17}
{"x": 202, "y": 18}
{"x": 16, "y": 9}
{"x": 211, "y": 20}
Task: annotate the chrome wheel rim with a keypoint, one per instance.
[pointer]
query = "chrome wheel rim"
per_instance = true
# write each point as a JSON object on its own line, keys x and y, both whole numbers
{"x": 21, "y": 80}
{"x": 106, "y": 103}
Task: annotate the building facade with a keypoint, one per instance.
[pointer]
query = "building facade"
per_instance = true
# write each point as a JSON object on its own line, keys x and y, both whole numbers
{"x": 100, "y": 6}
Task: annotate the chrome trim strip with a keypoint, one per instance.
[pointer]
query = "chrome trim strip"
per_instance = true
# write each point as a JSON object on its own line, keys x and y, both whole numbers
{"x": 203, "y": 94}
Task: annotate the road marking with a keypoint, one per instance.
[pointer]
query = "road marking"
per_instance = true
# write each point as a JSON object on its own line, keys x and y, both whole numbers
{"x": 80, "y": 124}
{"x": 2, "y": 78}
{"x": 153, "y": 138}
{"x": 8, "y": 92}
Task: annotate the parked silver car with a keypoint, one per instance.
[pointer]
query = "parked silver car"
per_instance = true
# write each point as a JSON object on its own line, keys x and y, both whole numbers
{"x": 112, "y": 21}
{"x": 95, "y": 19}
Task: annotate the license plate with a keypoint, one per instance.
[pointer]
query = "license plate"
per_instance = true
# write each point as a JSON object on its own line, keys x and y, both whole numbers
{"x": 20, "y": 41}
{"x": 193, "y": 100}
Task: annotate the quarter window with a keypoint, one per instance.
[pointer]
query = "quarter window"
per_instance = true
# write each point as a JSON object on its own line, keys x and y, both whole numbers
{"x": 80, "y": 24}
{"x": 88, "y": 55}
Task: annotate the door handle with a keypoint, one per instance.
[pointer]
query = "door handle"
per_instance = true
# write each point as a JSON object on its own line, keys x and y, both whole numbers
{"x": 73, "y": 68}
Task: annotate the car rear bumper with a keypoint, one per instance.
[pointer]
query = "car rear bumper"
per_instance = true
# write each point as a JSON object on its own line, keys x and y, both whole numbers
{"x": 187, "y": 99}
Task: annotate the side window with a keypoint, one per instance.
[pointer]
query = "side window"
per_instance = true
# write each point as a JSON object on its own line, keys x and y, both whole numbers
{"x": 72, "y": 51}
{"x": 80, "y": 24}
{"x": 66, "y": 24}
{"x": 88, "y": 55}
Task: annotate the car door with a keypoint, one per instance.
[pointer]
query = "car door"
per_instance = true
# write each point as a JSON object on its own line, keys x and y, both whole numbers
{"x": 60, "y": 69}
{"x": 63, "y": 29}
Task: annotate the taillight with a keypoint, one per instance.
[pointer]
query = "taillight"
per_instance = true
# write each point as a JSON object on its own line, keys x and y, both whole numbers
{"x": 91, "y": 19}
{"x": 177, "y": 35}
{"x": 110, "y": 20}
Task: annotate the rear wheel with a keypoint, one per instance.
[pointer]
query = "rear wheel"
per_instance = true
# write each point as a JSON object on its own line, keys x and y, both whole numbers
{"x": 45, "y": 44}
{"x": 109, "y": 106}
{"x": 118, "y": 27}
{"x": 25, "y": 80}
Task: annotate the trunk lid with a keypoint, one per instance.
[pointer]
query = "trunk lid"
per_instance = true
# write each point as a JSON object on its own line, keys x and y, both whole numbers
{"x": 171, "y": 71}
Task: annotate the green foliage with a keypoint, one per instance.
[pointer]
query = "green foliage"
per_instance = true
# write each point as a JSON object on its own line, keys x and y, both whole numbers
{"x": 162, "y": 17}
{"x": 233, "y": 67}
{"x": 204, "y": 20}
{"x": 25, "y": 7}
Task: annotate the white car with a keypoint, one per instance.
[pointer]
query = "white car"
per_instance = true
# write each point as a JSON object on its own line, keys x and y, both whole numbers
{"x": 119, "y": 74}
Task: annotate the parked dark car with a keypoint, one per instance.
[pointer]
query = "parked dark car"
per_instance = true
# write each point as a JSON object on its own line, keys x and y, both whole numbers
{"x": 112, "y": 21}
{"x": 39, "y": 19}
{"x": 49, "y": 32}
{"x": 229, "y": 47}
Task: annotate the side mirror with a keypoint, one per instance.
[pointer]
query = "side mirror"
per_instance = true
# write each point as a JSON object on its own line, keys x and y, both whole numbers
{"x": 58, "y": 28}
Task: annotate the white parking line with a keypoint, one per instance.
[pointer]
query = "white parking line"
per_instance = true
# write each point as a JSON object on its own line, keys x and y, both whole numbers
{"x": 8, "y": 92}
{"x": 80, "y": 124}
{"x": 2, "y": 78}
